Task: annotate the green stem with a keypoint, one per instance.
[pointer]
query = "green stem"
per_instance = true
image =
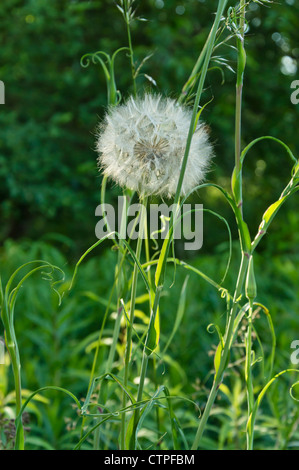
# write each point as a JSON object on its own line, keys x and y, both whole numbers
{"x": 108, "y": 367}
{"x": 127, "y": 19}
{"x": 118, "y": 283}
{"x": 13, "y": 351}
{"x": 142, "y": 377}
{"x": 131, "y": 320}
{"x": 251, "y": 293}
{"x": 194, "y": 74}
{"x": 239, "y": 92}
{"x": 245, "y": 257}
{"x": 96, "y": 354}
{"x": 248, "y": 376}
{"x": 147, "y": 258}
{"x": 18, "y": 387}
{"x": 224, "y": 358}
{"x": 209, "y": 50}
{"x": 160, "y": 278}
{"x": 145, "y": 356}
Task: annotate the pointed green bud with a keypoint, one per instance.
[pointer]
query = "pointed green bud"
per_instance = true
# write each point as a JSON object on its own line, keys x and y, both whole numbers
{"x": 250, "y": 286}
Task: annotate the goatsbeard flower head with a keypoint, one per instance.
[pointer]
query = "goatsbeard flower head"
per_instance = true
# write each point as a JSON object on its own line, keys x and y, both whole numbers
{"x": 141, "y": 145}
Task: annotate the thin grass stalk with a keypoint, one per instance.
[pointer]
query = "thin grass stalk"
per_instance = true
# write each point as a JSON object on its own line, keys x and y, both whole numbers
{"x": 130, "y": 44}
{"x": 144, "y": 363}
{"x": 209, "y": 50}
{"x": 147, "y": 258}
{"x": 112, "y": 101}
{"x": 121, "y": 259}
{"x": 193, "y": 76}
{"x": 160, "y": 280}
{"x": 244, "y": 255}
{"x": 131, "y": 319}
{"x": 118, "y": 270}
{"x": 225, "y": 353}
{"x": 212, "y": 37}
{"x": 108, "y": 367}
{"x": 116, "y": 330}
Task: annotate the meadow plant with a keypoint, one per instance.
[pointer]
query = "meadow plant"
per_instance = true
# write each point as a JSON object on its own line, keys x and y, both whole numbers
{"x": 154, "y": 145}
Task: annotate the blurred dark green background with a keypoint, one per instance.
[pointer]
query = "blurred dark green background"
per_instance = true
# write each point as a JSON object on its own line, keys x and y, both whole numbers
{"x": 48, "y": 176}
{"x": 50, "y": 187}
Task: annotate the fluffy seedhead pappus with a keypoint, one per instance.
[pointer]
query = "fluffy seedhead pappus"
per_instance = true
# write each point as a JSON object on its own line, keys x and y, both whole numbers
{"x": 141, "y": 145}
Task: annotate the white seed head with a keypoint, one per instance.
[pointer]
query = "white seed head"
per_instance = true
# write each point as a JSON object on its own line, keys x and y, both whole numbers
{"x": 141, "y": 145}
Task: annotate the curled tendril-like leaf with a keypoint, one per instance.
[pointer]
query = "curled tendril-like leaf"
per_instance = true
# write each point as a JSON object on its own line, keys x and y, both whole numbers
{"x": 252, "y": 417}
{"x": 291, "y": 391}
{"x": 212, "y": 328}
{"x": 96, "y": 57}
{"x": 85, "y": 61}
{"x": 224, "y": 293}
{"x": 11, "y": 294}
{"x": 107, "y": 63}
{"x": 118, "y": 97}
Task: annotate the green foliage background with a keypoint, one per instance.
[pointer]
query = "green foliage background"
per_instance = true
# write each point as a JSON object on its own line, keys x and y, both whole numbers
{"x": 48, "y": 176}
{"x": 50, "y": 186}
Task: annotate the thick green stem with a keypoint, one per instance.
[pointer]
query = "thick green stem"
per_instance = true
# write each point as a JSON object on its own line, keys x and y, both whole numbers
{"x": 238, "y": 111}
{"x": 239, "y": 89}
{"x": 251, "y": 292}
{"x": 13, "y": 351}
{"x": 248, "y": 376}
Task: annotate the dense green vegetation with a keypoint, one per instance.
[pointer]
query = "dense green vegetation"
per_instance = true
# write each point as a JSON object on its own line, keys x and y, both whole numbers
{"x": 50, "y": 187}
{"x": 53, "y": 104}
